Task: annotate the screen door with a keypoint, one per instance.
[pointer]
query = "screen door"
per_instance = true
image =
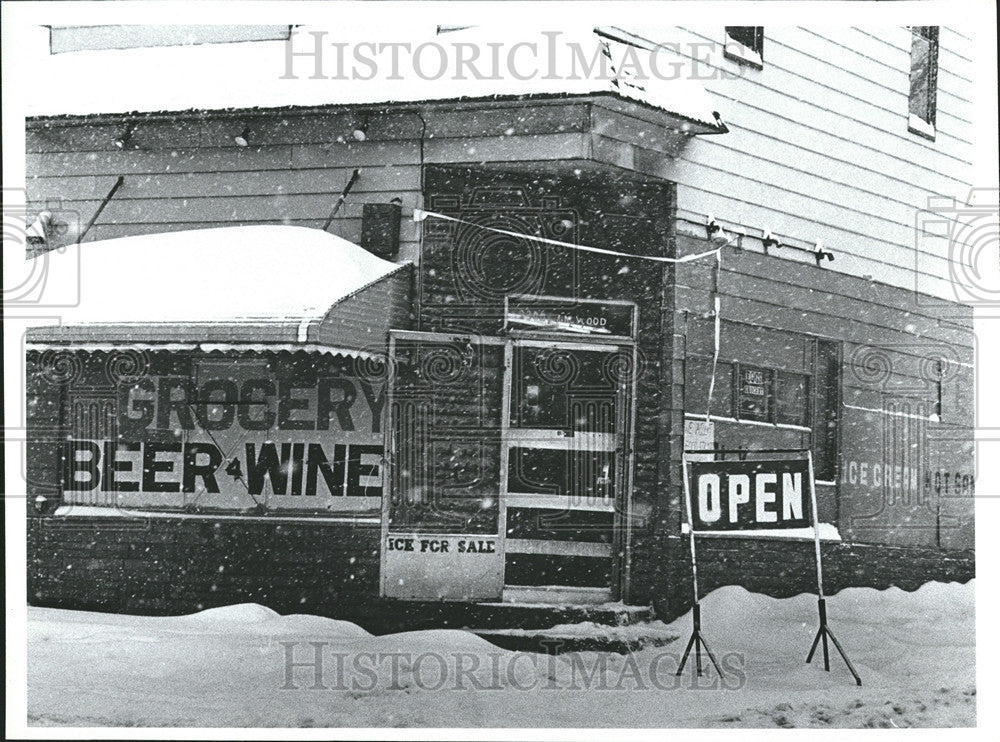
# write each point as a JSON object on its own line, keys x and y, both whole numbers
{"x": 442, "y": 537}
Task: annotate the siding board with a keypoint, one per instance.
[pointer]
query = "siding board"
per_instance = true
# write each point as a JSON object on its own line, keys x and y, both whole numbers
{"x": 841, "y": 292}
{"x": 855, "y": 253}
{"x": 390, "y": 179}
{"x": 506, "y": 149}
{"x": 207, "y": 209}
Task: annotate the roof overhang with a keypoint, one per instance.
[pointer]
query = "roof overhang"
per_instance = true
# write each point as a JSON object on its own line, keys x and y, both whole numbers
{"x": 217, "y": 77}
{"x": 74, "y": 339}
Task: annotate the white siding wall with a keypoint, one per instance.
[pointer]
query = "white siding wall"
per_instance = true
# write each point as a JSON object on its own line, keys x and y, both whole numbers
{"x": 819, "y": 148}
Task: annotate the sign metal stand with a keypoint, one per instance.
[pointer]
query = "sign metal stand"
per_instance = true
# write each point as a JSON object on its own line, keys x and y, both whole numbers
{"x": 824, "y": 628}
{"x": 824, "y": 634}
{"x": 697, "y": 640}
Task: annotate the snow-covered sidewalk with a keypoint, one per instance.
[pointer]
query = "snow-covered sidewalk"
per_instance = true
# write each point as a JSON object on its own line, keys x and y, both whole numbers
{"x": 247, "y": 666}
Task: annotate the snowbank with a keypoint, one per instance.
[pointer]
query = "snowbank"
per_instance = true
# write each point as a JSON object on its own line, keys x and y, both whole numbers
{"x": 230, "y": 667}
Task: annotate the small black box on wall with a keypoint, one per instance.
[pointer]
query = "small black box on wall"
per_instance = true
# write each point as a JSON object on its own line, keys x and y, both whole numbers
{"x": 380, "y": 229}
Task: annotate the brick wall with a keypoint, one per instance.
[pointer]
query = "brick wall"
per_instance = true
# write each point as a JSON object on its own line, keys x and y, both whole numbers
{"x": 783, "y": 568}
{"x": 176, "y": 565}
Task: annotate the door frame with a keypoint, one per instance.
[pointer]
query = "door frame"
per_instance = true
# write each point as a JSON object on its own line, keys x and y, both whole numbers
{"x": 622, "y": 502}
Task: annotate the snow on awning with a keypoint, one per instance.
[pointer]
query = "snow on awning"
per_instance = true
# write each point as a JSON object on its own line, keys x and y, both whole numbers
{"x": 520, "y": 62}
{"x": 254, "y": 287}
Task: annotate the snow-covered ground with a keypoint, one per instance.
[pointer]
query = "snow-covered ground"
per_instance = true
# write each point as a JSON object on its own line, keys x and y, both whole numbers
{"x": 228, "y": 667}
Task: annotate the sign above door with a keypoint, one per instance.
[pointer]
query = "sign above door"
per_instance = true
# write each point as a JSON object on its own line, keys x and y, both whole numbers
{"x": 567, "y": 315}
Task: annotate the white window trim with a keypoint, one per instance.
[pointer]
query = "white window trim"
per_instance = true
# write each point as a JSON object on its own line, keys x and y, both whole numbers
{"x": 735, "y": 50}
{"x": 919, "y": 126}
{"x": 758, "y": 423}
{"x": 827, "y": 532}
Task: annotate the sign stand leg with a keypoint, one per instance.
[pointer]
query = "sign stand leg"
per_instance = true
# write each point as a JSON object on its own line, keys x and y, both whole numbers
{"x": 824, "y": 628}
{"x": 823, "y": 633}
{"x": 698, "y": 642}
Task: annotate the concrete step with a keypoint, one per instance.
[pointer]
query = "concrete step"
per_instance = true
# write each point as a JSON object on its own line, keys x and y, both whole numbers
{"x": 582, "y": 637}
{"x": 543, "y": 615}
{"x": 395, "y": 616}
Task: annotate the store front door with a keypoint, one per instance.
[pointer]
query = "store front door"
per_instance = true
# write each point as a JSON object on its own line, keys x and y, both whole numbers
{"x": 565, "y": 465}
{"x": 507, "y": 469}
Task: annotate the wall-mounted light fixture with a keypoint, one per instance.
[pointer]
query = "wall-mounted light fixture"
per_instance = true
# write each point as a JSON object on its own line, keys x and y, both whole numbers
{"x": 711, "y": 226}
{"x": 380, "y": 228}
{"x": 820, "y": 254}
{"x": 124, "y": 139}
{"x": 243, "y": 138}
{"x": 716, "y": 234}
{"x": 360, "y": 132}
{"x": 768, "y": 240}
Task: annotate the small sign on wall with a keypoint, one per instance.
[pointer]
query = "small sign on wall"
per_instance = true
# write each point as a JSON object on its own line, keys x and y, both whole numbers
{"x": 442, "y": 566}
{"x": 568, "y": 315}
{"x": 754, "y": 393}
{"x": 699, "y": 435}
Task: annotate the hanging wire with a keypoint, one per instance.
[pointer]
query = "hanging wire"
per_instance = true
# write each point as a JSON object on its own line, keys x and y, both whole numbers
{"x": 717, "y": 306}
{"x": 419, "y": 215}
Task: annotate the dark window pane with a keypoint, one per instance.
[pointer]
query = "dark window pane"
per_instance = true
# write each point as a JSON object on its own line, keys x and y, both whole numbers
{"x": 582, "y": 476}
{"x": 751, "y": 37}
{"x": 547, "y": 569}
{"x": 923, "y": 73}
{"x": 791, "y": 399}
{"x": 446, "y": 437}
{"x": 561, "y": 388}
{"x": 446, "y": 486}
{"x": 551, "y": 524}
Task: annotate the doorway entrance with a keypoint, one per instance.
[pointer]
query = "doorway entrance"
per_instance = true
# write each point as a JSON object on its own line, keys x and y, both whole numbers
{"x": 508, "y": 469}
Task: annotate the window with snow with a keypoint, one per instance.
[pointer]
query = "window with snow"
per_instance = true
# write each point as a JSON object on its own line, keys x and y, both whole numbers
{"x": 745, "y": 44}
{"x": 923, "y": 80}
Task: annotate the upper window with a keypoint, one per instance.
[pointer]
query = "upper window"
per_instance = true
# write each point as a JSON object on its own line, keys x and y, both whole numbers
{"x": 769, "y": 395}
{"x": 745, "y": 44}
{"x": 755, "y": 393}
{"x": 923, "y": 80}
